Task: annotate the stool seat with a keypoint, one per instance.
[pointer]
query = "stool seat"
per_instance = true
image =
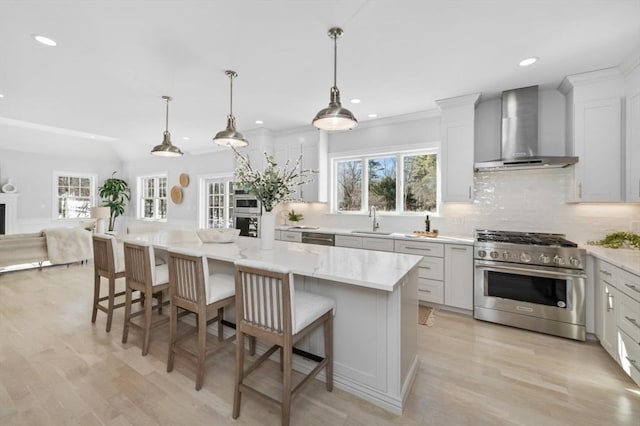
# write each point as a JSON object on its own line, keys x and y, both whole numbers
{"x": 220, "y": 286}
{"x": 309, "y": 307}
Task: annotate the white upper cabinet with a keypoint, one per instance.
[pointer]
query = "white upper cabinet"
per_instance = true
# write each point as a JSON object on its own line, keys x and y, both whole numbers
{"x": 457, "y": 138}
{"x": 632, "y": 93}
{"x": 594, "y": 134}
{"x": 312, "y": 144}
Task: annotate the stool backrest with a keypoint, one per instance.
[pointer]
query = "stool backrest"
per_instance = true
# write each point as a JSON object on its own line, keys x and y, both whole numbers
{"x": 188, "y": 279}
{"x": 264, "y": 296}
{"x": 139, "y": 263}
{"x": 105, "y": 256}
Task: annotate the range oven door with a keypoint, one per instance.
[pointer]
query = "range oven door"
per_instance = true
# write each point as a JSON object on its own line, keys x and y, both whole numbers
{"x": 555, "y": 294}
{"x": 248, "y": 224}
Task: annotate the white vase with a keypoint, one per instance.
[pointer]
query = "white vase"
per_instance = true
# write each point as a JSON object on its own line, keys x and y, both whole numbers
{"x": 267, "y": 230}
{"x": 9, "y": 187}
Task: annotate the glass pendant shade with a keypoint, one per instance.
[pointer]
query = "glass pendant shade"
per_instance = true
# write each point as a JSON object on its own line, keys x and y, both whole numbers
{"x": 230, "y": 136}
{"x": 166, "y": 148}
{"x": 335, "y": 116}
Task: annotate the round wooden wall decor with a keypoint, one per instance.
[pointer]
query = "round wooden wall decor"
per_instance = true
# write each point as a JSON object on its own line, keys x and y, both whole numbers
{"x": 184, "y": 180}
{"x": 176, "y": 194}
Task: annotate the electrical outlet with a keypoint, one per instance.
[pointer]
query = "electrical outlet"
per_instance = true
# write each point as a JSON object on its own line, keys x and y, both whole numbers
{"x": 635, "y": 226}
{"x": 457, "y": 220}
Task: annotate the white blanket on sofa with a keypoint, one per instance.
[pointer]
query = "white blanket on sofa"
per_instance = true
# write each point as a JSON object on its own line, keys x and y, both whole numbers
{"x": 67, "y": 245}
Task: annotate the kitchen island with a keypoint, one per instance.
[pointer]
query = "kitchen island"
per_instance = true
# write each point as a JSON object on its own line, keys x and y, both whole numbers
{"x": 375, "y": 323}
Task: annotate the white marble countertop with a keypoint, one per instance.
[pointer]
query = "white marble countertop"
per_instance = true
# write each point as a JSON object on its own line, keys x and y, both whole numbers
{"x": 365, "y": 268}
{"x": 390, "y": 235}
{"x": 627, "y": 259}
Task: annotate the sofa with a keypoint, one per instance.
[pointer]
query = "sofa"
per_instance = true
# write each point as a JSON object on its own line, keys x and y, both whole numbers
{"x": 56, "y": 245}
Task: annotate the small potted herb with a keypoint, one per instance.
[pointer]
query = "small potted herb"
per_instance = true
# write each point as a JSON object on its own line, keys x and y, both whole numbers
{"x": 295, "y": 217}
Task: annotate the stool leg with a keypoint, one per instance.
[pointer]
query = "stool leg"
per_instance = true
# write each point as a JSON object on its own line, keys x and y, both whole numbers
{"x": 328, "y": 350}
{"x": 220, "y": 329}
{"x": 127, "y": 313}
{"x": 286, "y": 384}
{"x": 173, "y": 328}
{"x": 96, "y": 296}
{"x": 148, "y": 309}
{"x": 202, "y": 348}
{"x": 112, "y": 292}
{"x": 237, "y": 396}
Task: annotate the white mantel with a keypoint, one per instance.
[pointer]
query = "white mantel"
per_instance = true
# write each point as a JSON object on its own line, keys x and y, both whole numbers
{"x": 11, "y": 212}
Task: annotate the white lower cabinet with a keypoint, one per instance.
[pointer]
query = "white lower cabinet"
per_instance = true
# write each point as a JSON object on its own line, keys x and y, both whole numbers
{"x": 458, "y": 276}
{"x": 619, "y": 305}
{"x": 348, "y": 241}
{"x": 292, "y": 236}
{"x": 380, "y": 244}
{"x": 431, "y": 286}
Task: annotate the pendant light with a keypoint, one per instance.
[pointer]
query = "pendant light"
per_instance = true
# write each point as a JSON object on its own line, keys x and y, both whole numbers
{"x": 230, "y": 136}
{"x": 166, "y": 149}
{"x": 335, "y": 117}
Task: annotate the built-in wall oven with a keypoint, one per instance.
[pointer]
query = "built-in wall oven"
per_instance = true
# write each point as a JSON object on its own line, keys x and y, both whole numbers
{"x": 530, "y": 280}
{"x": 246, "y": 213}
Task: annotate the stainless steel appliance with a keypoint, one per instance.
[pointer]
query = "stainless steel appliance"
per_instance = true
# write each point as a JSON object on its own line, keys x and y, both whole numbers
{"x": 246, "y": 204}
{"x": 318, "y": 238}
{"x": 248, "y": 224}
{"x": 246, "y": 213}
{"x": 533, "y": 281}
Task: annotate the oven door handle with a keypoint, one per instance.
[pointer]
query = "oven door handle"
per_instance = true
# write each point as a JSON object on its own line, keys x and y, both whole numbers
{"x": 493, "y": 266}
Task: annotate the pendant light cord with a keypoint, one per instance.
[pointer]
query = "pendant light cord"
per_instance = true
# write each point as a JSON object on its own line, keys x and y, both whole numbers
{"x": 335, "y": 60}
{"x": 167, "y": 117}
{"x": 231, "y": 95}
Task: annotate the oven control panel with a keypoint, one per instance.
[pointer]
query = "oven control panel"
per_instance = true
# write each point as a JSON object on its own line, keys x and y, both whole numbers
{"x": 544, "y": 256}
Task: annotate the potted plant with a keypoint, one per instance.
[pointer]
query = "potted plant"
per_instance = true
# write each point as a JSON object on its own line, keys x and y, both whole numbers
{"x": 115, "y": 194}
{"x": 295, "y": 217}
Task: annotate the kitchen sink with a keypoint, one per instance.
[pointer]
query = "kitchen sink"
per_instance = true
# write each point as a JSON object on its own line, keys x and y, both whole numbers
{"x": 371, "y": 232}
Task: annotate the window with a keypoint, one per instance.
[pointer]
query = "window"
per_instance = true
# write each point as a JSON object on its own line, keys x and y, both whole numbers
{"x": 404, "y": 182}
{"x": 216, "y": 204}
{"x": 153, "y": 197}
{"x": 75, "y": 193}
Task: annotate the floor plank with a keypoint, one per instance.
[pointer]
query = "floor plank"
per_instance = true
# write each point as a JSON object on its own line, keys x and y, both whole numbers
{"x": 56, "y": 368}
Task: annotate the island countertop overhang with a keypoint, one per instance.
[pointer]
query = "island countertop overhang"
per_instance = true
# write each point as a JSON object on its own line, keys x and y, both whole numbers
{"x": 365, "y": 268}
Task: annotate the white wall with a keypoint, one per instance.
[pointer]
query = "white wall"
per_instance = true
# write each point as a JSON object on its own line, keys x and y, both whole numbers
{"x": 32, "y": 173}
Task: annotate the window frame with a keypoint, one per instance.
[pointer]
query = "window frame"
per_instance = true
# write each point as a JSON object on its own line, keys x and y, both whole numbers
{"x": 141, "y": 196}
{"x": 400, "y": 153}
{"x": 55, "y": 191}
{"x": 203, "y": 206}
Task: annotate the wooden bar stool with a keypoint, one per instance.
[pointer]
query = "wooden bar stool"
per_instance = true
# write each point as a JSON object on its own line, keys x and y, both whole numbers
{"x": 269, "y": 309}
{"x": 106, "y": 263}
{"x": 193, "y": 289}
{"x": 142, "y": 274}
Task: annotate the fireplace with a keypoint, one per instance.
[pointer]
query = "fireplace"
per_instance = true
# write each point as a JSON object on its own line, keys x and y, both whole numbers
{"x": 8, "y": 213}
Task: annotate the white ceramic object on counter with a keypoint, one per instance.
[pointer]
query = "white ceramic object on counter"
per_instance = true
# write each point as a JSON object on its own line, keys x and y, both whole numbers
{"x": 9, "y": 187}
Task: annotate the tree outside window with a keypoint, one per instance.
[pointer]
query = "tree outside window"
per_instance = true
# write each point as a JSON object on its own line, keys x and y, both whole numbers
{"x": 153, "y": 199}
{"x": 349, "y": 185}
{"x": 75, "y": 194}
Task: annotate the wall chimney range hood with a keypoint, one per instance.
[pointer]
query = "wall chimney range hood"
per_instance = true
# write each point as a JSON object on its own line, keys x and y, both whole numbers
{"x": 519, "y": 149}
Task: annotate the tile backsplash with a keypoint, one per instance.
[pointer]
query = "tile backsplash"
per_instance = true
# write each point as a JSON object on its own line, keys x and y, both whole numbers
{"x": 523, "y": 200}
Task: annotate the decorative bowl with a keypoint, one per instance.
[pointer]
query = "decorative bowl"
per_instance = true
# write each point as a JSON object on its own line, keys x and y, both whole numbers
{"x": 218, "y": 235}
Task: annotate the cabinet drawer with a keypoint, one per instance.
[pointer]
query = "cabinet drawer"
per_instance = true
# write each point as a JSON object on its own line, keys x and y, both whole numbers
{"x": 629, "y": 284}
{"x": 607, "y": 272}
{"x": 431, "y": 290}
{"x": 348, "y": 241}
{"x": 432, "y": 268}
{"x": 419, "y": 247}
{"x": 291, "y": 236}
{"x": 628, "y": 318}
{"x": 381, "y": 244}
{"x": 630, "y": 357}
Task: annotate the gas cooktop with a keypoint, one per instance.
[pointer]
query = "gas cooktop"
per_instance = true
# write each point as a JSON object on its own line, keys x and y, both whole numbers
{"x": 524, "y": 238}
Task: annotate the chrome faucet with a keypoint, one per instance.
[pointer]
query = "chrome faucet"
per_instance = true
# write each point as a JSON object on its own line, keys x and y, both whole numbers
{"x": 376, "y": 224}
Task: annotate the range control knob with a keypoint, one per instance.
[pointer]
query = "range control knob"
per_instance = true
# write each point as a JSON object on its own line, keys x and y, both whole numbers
{"x": 525, "y": 257}
{"x": 574, "y": 262}
{"x": 493, "y": 254}
{"x": 544, "y": 258}
{"x": 505, "y": 255}
{"x": 558, "y": 260}
{"x": 482, "y": 253}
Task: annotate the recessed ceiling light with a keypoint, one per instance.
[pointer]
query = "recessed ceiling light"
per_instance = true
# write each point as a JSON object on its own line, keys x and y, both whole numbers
{"x": 1, "y": 95}
{"x": 355, "y": 101}
{"x": 372, "y": 115}
{"x": 259, "y": 122}
{"x": 44, "y": 40}
{"x": 186, "y": 138}
{"x": 528, "y": 61}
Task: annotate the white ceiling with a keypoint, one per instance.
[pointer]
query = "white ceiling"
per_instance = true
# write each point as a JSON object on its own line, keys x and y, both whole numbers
{"x": 115, "y": 59}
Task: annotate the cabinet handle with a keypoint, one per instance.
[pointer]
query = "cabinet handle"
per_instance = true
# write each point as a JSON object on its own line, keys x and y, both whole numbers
{"x": 580, "y": 190}
{"x": 426, "y": 267}
{"x": 609, "y": 302}
{"x": 632, "y": 287}
{"x": 632, "y": 321}
{"x": 469, "y": 191}
{"x": 459, "y": 248}
{"x": 633, "y": 362}
{"x": 605, "y": 272}
{"x": 417, "y": 248}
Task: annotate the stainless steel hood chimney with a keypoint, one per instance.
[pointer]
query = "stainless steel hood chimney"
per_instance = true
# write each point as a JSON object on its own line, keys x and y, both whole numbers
{"x": 520, "y": 135}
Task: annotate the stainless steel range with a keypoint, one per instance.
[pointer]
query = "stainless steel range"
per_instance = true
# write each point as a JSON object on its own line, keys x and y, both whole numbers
{"x": 533, "y": 281}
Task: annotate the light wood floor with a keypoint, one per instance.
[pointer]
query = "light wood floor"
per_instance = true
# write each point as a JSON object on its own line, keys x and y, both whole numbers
{"x": 57, "y": 368}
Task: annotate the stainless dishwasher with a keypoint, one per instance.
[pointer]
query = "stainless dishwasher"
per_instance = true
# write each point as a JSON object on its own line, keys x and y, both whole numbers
{"x": 318, "y": 238}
